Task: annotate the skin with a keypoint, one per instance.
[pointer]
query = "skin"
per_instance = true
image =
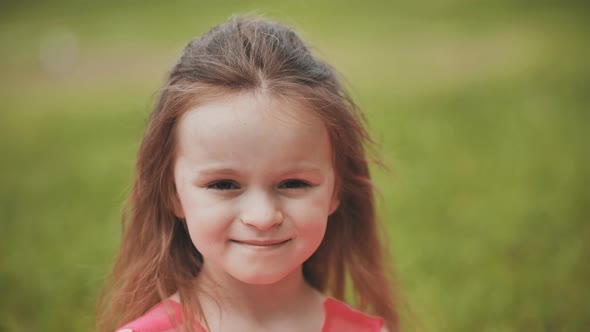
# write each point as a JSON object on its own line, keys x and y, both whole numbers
{"x": 255, "y": 184}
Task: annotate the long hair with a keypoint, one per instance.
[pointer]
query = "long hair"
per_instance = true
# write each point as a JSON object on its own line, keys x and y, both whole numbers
{"x": 157, "y": 257}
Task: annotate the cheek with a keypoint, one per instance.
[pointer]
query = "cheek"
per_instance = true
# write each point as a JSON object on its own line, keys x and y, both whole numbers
{"x": 207, "y": 219}
{"x": 310, "y": 212}
{"x": 208, "y": 230}
{"x": 198, "y": 204}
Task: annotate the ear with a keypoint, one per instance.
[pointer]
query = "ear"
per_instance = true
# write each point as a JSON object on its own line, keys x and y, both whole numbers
{"x": 334, "y": 204}
{"x": 177, "y": 206}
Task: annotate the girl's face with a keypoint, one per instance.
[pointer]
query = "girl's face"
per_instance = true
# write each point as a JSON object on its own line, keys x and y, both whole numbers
{"x": 255, "y": 183}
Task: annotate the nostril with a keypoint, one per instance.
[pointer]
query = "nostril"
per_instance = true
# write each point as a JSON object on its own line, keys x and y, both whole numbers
{"x": 263, "y": 221}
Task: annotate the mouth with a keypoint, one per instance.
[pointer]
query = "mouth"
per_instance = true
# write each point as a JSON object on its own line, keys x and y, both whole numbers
{"x": 262, "y": 243}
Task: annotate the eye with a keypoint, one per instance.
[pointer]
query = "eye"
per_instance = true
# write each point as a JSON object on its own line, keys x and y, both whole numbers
{"x": 294, "y": 184}
{"x": 223, "y": 185}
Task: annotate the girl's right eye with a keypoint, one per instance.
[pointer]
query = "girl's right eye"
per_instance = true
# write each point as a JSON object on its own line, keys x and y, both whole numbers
{"x": 223, "y": 185}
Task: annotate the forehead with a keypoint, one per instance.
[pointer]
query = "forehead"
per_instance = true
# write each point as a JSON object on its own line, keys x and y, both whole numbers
{"x": 253, "y": 131}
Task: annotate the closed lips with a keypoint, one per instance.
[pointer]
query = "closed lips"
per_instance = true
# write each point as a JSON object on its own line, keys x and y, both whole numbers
{"x": 260, "y": 243}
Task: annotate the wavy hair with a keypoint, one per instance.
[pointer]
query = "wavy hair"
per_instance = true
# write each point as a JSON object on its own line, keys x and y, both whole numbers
{"x": 157, "y": 258}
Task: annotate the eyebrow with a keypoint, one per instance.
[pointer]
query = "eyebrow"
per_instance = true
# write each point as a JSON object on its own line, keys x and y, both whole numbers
{"x": 303, "y": 170}
{"x": 231, "y": 171}
{"x": 214, "y": 171}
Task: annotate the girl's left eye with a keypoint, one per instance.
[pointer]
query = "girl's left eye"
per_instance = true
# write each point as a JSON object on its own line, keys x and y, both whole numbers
{"x": 294, "y": 184}
{"x": 223, "y": 185}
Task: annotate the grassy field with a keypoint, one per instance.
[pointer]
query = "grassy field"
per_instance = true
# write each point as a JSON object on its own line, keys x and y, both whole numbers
{"x": 482, "y": 112}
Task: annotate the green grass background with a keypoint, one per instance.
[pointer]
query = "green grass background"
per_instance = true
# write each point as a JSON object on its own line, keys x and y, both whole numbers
{"x": 481, "y": 108}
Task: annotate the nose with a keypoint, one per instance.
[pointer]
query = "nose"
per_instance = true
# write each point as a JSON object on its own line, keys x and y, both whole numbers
{"x": 261, "y": 211}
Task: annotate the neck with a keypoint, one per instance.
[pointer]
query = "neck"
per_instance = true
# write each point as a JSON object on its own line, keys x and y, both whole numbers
{"x": 228, "y": 296}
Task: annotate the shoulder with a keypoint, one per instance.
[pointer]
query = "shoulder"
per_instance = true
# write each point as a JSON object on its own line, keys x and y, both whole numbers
{"x": 341, "y": 317}
{"x": 160, "y": 318}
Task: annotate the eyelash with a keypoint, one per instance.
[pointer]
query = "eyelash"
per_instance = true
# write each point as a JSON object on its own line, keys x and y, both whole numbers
{"x": 230, "y": 185}
{"x": 222, "y": 185}
{"x": 300, "y": 184}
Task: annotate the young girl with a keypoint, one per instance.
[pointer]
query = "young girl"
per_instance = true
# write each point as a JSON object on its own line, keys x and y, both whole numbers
{"x": 252, "y": 205}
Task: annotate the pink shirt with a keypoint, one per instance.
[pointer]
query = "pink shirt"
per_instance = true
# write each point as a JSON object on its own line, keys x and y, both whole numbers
{"x": 339, "y": 318}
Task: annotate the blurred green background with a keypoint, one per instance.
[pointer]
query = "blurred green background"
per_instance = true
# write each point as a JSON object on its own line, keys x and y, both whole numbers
{"x": 482, "y": 110}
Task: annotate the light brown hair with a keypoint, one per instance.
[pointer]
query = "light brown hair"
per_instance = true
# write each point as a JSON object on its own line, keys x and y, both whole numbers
{"x": 157, "y": 257}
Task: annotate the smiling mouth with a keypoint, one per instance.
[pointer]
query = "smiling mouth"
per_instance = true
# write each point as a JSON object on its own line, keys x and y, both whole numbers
{"x": 262, "y": 244}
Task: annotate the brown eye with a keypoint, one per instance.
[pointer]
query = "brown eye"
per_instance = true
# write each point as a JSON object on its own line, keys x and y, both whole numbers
{"x": 294, "y": 184}
{"x": 223, "y": 185}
